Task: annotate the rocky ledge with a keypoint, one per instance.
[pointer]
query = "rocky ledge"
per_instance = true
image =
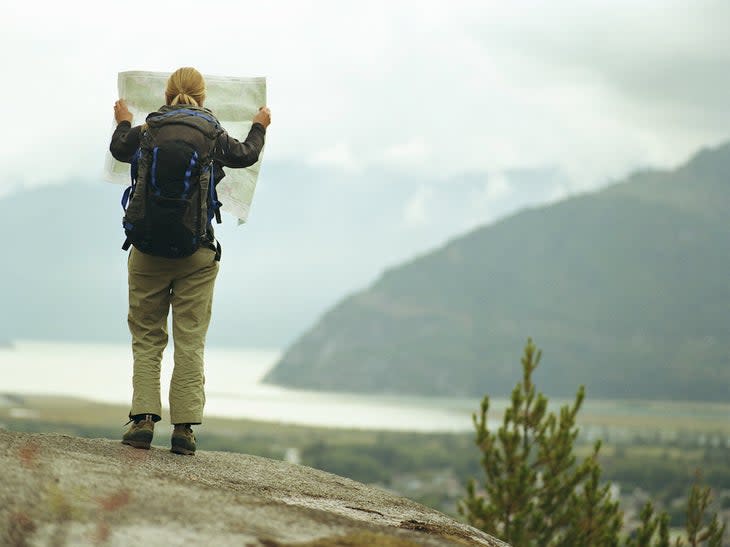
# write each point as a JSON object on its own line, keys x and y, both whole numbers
{"x": 61, "y": 490}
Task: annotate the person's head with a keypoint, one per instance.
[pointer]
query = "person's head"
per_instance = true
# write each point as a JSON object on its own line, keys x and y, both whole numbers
{"x": 185, "y": 86}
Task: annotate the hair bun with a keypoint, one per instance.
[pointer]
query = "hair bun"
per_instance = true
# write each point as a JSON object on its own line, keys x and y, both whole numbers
{"x": 185, "y": 86}
{"x": 184, "y": 98}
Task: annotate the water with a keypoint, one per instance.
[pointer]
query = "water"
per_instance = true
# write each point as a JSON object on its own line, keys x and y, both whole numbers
{"x": 102, "y": 372}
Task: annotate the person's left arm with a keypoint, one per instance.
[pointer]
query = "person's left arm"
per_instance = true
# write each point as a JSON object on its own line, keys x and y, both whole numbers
{"x": 230, "y": 152}
{"x": 126, "y": 138}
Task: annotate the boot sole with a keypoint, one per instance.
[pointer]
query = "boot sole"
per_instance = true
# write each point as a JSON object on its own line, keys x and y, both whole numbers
{"x": 138, "y": 444}
{"x": 181, "y": 450}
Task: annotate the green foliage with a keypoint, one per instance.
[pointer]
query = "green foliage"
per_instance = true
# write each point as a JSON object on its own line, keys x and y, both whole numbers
{"x": 699, "y": 530}
{"x": 344, "y": 461}
{"x": 651, "y": 526}
{"x": 536, "y": 492}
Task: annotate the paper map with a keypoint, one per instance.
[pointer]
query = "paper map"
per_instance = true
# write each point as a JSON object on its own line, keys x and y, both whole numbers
{"x": 234, "y": 101}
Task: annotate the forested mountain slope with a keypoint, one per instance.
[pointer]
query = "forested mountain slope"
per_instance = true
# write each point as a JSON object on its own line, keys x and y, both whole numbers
{"x": 627, "y": 290}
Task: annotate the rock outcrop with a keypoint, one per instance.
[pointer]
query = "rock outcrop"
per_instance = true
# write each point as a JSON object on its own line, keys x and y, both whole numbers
{"x": 61, "y": 490}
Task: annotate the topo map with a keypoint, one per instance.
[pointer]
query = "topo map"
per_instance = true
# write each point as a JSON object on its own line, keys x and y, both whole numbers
{"x": 234, "y": 101}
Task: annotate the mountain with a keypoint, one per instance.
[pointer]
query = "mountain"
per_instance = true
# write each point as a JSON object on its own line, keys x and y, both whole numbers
{"x": 626, "y": 290}
{"x": 313, "y": 234}
{"x": 63, "y": 490}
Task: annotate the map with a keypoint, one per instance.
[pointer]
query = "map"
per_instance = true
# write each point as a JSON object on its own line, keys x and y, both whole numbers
{"x": 233, "y": 100}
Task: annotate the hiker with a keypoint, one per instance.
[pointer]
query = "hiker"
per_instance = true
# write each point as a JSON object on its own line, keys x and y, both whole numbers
{"x": 176, "y": 158}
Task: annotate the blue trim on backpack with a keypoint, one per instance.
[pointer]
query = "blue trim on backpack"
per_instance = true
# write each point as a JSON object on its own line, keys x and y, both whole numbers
{"x": 125, "y": 197}
{"x": 213, "y": 202}
{"x": 129, "y": 192}
{"x": 189, "y": 172}
{"x": 153, "y": 179}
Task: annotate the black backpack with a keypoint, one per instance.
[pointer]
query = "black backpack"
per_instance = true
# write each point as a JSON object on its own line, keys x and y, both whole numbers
{"x": 172, "y": 199}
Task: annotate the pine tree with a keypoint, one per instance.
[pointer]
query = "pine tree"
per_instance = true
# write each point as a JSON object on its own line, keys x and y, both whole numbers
{"x": 644, "y": 535}
{"x": 536, "y": 493}
{"x": 699, "y": 532}
{"x": 700, "y": 529}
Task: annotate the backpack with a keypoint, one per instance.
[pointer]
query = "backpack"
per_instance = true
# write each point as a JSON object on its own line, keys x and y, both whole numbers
{"x": 171, "y": 201}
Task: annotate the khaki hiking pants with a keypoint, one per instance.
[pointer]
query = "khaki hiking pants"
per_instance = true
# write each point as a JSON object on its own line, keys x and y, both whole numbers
{"x": 157, "y": 284}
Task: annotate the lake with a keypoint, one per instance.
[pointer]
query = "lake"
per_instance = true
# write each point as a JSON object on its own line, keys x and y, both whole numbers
{"x": 103, "y": 372}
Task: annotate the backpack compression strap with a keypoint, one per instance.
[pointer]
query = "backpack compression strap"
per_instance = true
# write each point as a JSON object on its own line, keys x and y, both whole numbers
{"x": 214, "y": 206}
{"x": 129, "y": 192}
{"x": 214, "y": 209}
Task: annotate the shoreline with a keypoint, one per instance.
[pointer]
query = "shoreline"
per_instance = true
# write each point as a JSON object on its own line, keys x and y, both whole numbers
{"x": 599, "y": 418}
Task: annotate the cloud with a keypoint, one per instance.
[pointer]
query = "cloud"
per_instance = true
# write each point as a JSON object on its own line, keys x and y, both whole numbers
{"x": 625, "y": 84}
{"x": 408, "y": 153}
{"x": 338, "y": 155}
{"x": 489, "y": 200}
{"x": 416, "y": 209}
{"x": 592, "y": 87}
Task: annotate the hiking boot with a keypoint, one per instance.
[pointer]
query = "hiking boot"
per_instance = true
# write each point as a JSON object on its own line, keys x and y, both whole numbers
{"x": 183, "y": 440}
{"x": 139, "y": 434}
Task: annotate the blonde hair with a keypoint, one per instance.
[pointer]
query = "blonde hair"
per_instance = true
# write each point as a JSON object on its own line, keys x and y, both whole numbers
{"x": 185, "y": 86}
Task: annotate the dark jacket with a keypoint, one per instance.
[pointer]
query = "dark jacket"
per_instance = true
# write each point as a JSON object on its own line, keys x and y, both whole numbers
{"x": 228, "y": 152}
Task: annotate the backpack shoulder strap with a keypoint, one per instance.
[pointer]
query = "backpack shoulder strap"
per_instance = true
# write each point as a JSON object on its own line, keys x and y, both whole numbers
{"x": 202, "y": 120}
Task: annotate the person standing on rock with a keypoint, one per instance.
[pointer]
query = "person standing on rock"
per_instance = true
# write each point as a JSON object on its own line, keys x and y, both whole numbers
{"x": 176, "y": 160}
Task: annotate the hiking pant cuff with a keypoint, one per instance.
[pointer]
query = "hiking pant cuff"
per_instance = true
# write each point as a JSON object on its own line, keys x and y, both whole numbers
{"x": 155, "y": 417}
{"x": 192, "y": 420}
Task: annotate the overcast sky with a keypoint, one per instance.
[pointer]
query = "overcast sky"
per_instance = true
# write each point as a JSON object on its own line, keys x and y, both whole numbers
{"x": 592, "y": 88}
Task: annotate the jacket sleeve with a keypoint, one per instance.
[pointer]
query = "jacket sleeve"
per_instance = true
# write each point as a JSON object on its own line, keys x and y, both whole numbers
{"x": 125, "y": 141}
{"x": 233, "y": 153}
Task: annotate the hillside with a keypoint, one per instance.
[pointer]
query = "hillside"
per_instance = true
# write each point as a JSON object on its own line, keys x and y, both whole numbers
{"x": 626, "y": 290}
{"x": 61, "y": 490}
{"x": 65, "y": 276}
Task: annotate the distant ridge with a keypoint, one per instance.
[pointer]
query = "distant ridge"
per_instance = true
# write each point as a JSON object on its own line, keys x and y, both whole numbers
{"x": 627, "y": 290}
